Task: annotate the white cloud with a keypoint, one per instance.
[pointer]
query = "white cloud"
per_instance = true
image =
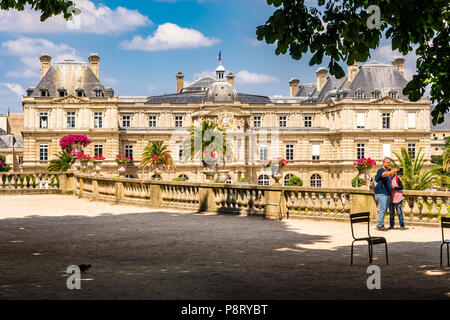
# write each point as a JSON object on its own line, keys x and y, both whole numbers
{"x": 98, "y": 19}
{"x": 247, "y": 77}
{"x": 169, "y": 36}
{"x": 28, "y": 50}
{"x": 110, "y": 81}
{"x": 254, "y": 42}
{"x": 16, "y": 88}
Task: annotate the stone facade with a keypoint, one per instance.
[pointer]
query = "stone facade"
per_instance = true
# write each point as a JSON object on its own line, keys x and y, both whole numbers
{"x": 322, "y": 133}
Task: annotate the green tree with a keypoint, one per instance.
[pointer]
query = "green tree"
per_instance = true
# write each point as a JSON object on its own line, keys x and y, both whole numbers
{"x": 47, "y": 8}
{"x": 62, "y": 163}
{"x": 340, "y": 30}
{"x": 155, "y": 148}
{"x": 414, "y": 177}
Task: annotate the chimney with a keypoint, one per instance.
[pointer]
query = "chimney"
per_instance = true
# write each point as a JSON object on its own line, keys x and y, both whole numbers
{"x": 352, "y": 71}
{"x": 399, "y": 64}
{"x": 180, "y": 81}
{"x": 45, "y": 64}
{"x": 94, "y": 64}
{"x": 321, "y": 75}
{"x": 230, "y": 78}
{"x": 293, "y": 86}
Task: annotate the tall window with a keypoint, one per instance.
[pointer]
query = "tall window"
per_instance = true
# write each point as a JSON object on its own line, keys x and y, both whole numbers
{"x": 20, "y": 161}
{"x": 412, "y": 150}
{"x": 316, "y": 151}
{"x": 282, "y": 122}
{"x": 360, "y": 120}
{"x": 43, "y": 120}
{"x": 360, "y": 151}
{"x": 316, "y": 181}
{"x": 70, "y": 120}
{"x": 98, "y": 120}
{"x": 98, "y": 150}
{"x": 411, "y": 120}
{"x": 386, "y": 150}
{"x": 386, "y": 120}
{"x": 43, "y": 152}
{"x": 126, "y": 121}
{"x": 263, "y": 153}
{"x": 263, "y": 180}
{"x": 308, "y": 122}
{"x": 152, "y": 121}
{"x": 129, "y": 151}
{"x": 178, "y": 121}
{"x": 289, "y": 152}
{"x": 180, "y": 152}
{"x": 257, "y": 122}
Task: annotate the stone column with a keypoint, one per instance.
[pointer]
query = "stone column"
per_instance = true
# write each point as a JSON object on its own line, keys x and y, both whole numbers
{"x": 206, "y": 200}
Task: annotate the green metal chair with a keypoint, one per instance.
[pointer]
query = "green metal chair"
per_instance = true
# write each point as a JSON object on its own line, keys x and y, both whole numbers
{"x": 445, "y": 224}
{"x": 371, "y": 241}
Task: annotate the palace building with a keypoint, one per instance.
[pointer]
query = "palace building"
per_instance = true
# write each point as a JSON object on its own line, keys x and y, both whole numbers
{"x": 320, "y": 129}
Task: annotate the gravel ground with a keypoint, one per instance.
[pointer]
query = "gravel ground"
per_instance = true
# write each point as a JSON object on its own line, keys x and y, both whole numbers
{"x": 137, "y": 253}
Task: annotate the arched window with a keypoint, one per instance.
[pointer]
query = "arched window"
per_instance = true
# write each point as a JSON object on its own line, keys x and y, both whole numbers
{"x": 263, "y": 180}
{"x": 316, "y": 181}
{"x": 286, "y": 179}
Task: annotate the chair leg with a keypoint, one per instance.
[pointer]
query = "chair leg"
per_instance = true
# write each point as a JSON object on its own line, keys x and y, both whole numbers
{"x": 387, "y": 255}
{"x": 351, "y": 255}
{"x": 441, "y": 254}
{"x": 370, "y": 253}
{"x": 448, "y": 257}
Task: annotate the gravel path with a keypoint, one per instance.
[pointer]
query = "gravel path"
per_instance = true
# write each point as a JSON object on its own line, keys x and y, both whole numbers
{"x": 137, "y": 253}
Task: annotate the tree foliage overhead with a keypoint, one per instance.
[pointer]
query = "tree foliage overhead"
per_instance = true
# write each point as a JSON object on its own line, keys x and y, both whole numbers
{"x": 47, "y": 8}
{"x": 338, "y": 30}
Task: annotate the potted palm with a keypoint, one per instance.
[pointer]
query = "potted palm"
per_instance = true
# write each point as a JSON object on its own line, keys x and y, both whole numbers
{"x": 156, "y": 156}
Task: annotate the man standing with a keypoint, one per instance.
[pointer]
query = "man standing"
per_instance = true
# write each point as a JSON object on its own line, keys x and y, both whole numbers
{"x": 383, "y": 191}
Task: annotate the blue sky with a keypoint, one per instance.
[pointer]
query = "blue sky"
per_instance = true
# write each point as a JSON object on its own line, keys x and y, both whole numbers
{"x": 143, "y": 44}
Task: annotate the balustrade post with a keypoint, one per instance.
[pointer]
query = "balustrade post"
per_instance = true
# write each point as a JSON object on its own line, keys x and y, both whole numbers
{"x": 119, "y": 191}
{"x": 274, "y": 204}
{"x": 363, "y": 203}
{"x": 94, "y": 189}
{"x": 156, "y": 195}
{"x": 206, "y": 199}
{"x": 80, "y": 191}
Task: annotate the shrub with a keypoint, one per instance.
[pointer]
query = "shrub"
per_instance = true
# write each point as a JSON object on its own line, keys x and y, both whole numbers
{"x": 179, "y": 179}
{"x": 356, "y": 183}
{"x": 295, "y": 182}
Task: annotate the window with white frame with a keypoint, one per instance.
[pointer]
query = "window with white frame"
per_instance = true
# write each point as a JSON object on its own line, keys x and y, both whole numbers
{"x": 376, "y": 95}
{"x": 98, "y": 150}
{"x": 316, "y": 151}
{"x": 411, "y": 120}
{"x": 308, "y": 121}
{"x": 99, "y": 93}
{"x": 180, "y": 152}
{"x": 20, "y": 161}
{"x": 412, "y": 150}
{"x": 263, "y": 180}
{"x": 43, "y": 120}
{"x": 98, "y": 120}
{"x": 178, "y": 121}
{"x": 257, "y": 121}
{"x": 287, "y": 178}
{"x": 393, "y": 95}
{"x": 43, "y": 152}
{"x": 360, "y": 120}
{"x": 316, "y": 181}
{"x": 386, "y": 118}
{"x": 152, "y": 121}
{"x": 263, "y": 153}
{"x": 360, "y": 94}
{"x": 360, "y": 151}
{"x": 126, "y": 121}
{"x": 282, "y": 122}
{"x": 128, "y": 151}
{"x": 386, "y": 150}
{"x": 70, "y": 120}
{"x": 289, "y": 152}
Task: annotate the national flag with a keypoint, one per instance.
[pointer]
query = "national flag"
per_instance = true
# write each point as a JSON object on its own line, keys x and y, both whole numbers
{"x": 219, "y": 57}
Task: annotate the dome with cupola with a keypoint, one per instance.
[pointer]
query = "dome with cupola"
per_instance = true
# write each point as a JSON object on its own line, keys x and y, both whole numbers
{"x": 221, "y": 90}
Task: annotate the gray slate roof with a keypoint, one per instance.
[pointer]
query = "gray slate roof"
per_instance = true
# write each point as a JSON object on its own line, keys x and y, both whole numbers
{"x": 70, "y": 75}
{"x": 199, "y": 85}
{"x": 5, "y": 141}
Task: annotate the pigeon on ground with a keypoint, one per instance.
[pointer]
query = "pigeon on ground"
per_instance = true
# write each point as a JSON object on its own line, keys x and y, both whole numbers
{"x": 84, "y": 267}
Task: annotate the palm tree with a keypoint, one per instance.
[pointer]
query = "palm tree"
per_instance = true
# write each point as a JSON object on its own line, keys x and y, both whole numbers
{"x": 446, "y": 155}
{"x": 62, "y": 163}
{"x": 413, "y": 177}
{"x": 155, "y": 148}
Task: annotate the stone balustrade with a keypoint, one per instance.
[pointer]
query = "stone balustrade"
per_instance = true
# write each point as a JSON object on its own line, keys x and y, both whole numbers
{"x": 36, "y": 182}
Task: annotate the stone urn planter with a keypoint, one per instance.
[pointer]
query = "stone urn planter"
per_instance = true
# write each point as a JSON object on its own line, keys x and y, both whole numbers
{"x": 223, "y": 175}
{"x": 364, "y": 174}
{"x": 84, "y": 165}
{"x": 276, "y": 172}
{"x": 98, "y": 167}
{"x": 157, "y": 171}
{"x": 122, "y": 170}
{"x": 209, "y": 173}
{"x": 76, "y": 147}
{"x": 90, "y": 166}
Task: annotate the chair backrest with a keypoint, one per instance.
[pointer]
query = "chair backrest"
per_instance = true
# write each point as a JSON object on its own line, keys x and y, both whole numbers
{"x": 362, "y": 217}
{"x": 445, "y": 223}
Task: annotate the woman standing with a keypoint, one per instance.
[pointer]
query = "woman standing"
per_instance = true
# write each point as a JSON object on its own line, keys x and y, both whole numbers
{"x": 396, "y": 202}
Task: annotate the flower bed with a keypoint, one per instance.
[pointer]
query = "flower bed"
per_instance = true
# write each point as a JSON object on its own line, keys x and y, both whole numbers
{"x": 67, "y": 141}
{"x": 162, "y": 159}
{"x": 80, "y": 156}
{"x": 122, "y": 160}
{"x": 364, "y": 163}
{"x": 97, "y": 159}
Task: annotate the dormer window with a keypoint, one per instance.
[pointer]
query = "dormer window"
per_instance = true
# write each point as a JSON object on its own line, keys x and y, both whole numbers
{"x": 80, "y": 93}
{"x": 62, "y": 92}
{"x": 44, "y": 93}
{"x": 360, "y": 94}
{"x": 393, "y": 94}
{"x": 376, "y": 94}
{"x": 99, "y": 93}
